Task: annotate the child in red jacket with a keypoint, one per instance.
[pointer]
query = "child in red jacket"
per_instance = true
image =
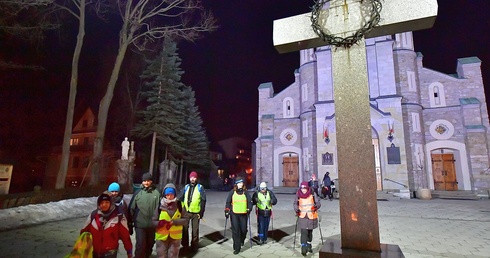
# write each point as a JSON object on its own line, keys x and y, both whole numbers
{"x": 107, "y": 226}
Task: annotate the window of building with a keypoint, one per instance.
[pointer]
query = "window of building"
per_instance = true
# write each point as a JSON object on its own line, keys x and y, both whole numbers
{"x": 304, "y": 92}
{"x": 73, "y": 142}
{"x": 305, "y": 128}
{"x": 437, "y": 96}
{"x": 288, "y": 107}
{"x": 416, "y": 123}
{"x": 411, "y": 81}
{"x": 75, "y": 162}
{"x": 85, "y": 162}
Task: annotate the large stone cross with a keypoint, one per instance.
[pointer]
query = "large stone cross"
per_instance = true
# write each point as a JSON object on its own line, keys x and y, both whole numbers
{"x": 358, "y": 204}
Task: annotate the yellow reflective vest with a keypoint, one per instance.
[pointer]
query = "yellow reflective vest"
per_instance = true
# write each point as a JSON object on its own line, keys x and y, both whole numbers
{"x": 239, "y": 203}
{"x": 175, "y": 231}
{"x": 195, "y": 204}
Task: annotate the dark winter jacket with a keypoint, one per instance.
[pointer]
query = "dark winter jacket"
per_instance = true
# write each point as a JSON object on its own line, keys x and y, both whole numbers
{"x": 189, "y": 191}
{"x": 143, "y": 205}
{"x": 255, "y": 200}
{"x": 228, "y": 205}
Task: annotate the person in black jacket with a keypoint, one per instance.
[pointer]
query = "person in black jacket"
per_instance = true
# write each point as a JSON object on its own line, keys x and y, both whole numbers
{"x": 238, "y": 206}
{"x": 264, "y": 199}
{"x": 327, "y": 186}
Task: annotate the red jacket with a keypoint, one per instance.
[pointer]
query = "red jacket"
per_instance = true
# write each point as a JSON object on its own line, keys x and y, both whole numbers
{"x": 106, "y": 235}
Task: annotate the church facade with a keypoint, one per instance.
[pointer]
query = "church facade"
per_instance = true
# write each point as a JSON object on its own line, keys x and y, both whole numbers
{"x": 430, "y": 130}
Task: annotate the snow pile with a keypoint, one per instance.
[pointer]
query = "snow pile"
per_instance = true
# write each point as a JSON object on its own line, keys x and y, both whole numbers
{"x": 48, "y": 212}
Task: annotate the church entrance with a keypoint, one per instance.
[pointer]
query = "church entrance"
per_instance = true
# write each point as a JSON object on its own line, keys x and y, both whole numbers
{"x": 444, "y": 172}
{"x": 290, "y": 167}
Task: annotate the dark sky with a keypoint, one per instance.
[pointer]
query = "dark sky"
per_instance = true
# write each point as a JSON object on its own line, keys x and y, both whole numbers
{"x": 225, "y": 68}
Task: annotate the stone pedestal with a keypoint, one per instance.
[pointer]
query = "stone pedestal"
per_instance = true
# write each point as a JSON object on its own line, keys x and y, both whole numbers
{"x": 424, "y": 194}
{"x": 333, "y": 248}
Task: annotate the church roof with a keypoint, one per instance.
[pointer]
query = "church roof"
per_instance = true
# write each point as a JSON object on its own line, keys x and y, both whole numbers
{"x": 469, "y": 101}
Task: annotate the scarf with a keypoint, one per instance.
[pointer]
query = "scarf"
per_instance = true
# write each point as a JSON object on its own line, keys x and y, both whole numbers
{"x": 300, "y": 194}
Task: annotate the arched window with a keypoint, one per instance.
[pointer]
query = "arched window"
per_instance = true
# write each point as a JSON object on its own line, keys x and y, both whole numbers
{"x": 437, "y": 97}
{"x": 288, "y": 107}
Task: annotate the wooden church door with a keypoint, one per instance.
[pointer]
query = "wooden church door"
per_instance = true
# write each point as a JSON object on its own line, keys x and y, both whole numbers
{"x": 290, "y": 171}
{"x": 444, "y": 172}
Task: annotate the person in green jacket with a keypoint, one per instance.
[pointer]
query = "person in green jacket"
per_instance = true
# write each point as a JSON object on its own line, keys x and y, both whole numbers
{"x": 142, "y": 206}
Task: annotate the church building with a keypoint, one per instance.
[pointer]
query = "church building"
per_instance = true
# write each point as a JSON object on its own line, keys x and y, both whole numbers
{"x": 430, "y": 130}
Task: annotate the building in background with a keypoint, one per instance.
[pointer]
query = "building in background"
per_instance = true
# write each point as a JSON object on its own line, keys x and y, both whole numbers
{"x": 430, "y": 130}
{"x": 81, "y": 150}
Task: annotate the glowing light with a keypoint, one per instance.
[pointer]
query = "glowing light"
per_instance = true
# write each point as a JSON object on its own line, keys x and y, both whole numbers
{"x": 353, "y": 216}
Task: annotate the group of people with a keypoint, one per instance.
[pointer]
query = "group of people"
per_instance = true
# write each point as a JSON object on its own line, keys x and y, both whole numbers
{"x": 239, "y": 206}
{"x": 326, "y": 189}
{"x": 157, "y": 218}
{"x": 164, "y": 218}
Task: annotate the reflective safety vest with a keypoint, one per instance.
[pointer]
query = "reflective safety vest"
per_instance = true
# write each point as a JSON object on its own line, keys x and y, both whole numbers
{"x": 239, "y": 203}
{"x": 175, "y": 231}
{"x": 195, "y": 205}
{"x": 264, "y": 201}
{"x": 306, "y": 207}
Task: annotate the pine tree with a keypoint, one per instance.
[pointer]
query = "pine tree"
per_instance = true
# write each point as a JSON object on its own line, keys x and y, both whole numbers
{"x": 195, "y": 139}
{"x": 171, "y": 112}
{"x": 162, "y": 91}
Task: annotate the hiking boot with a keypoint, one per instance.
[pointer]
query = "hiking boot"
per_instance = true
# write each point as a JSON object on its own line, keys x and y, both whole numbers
{"x": 304, "y": 250}
{"x": 236, "y": 251}
{"x": 309, "y": 248}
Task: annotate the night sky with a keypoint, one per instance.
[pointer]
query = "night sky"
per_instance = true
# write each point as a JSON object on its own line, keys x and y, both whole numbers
{"x": 225, "y": 68}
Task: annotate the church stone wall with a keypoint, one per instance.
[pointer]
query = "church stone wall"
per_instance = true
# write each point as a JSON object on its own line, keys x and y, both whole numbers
{"x": 401, "y": 89}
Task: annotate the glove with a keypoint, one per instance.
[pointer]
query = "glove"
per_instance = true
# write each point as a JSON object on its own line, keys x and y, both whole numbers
{"x": 248, "y": 212}
{"x": 169, "y": 225}
{"x": 315, "y": 208}
{"x": 162, "y": 223}
{"x": 297, "y": 213}
{"x": 131, "y": 231}
{"x": 200, "y": 215}
{"x": 227, "y": 212}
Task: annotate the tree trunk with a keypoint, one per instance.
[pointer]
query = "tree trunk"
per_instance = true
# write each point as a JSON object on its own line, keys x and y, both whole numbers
{"x": 65, "y": 154}
{"x": 152, "y": 157}
{"x": 104, "y": 105}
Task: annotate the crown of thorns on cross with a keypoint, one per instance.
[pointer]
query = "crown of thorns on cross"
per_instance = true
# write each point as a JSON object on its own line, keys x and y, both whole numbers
{"x": 352, "y": 39}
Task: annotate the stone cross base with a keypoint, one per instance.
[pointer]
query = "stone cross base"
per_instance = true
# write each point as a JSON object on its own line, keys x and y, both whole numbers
{"x": 333, "y": 248}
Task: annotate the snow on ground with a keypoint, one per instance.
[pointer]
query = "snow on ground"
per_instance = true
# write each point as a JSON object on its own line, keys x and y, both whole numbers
{"x": 40, "y": 213}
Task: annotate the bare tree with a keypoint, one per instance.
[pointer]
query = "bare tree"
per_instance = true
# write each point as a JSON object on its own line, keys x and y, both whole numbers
{"x": 146, "y": 22}
{"x": 26, "y": 20}
{"x": 65, "y": 149}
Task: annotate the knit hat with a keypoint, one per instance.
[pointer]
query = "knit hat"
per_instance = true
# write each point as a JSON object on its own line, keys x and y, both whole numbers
{"x": 263, "y": 185}
{"x": 146, "y": 177}
{"x": 239, "y": 180}
{"x": 169, "y": 191}
{"x": 103, "y": 197}
{"x": 304, "y": 184}
{"x": 193, "y": 174}
{"x": 114, "y": 187}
